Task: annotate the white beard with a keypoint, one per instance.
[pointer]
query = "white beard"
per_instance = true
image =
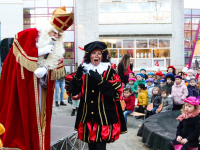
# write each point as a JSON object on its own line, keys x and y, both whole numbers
{"x": 44, "y": 39}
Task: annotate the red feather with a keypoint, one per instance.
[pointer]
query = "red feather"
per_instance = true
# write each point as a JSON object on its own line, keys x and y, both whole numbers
{"x": 81, "y": 48}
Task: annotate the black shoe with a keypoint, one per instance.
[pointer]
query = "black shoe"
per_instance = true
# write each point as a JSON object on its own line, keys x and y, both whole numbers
{"x": 62, "y": 103}
{"x": 57, "y": 104}
{"x": 73, "y": 112}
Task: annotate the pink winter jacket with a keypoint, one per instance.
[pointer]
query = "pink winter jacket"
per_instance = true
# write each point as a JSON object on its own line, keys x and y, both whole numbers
{"x": 179, "y": 93}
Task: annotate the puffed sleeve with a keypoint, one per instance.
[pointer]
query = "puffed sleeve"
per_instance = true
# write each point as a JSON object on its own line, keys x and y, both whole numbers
{"x": 73, "y": 85}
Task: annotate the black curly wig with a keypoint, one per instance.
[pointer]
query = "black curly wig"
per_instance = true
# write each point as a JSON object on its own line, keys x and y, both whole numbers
{"x": 105, "y": 54}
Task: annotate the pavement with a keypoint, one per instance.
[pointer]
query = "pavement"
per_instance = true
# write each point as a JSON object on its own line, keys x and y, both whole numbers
{"x": 128, "y": 141}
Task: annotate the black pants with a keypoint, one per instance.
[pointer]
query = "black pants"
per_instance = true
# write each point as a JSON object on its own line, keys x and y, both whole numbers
{"x": 177, "y": 107}
{"x": 140, "y": 109}
{"x": 97, "y": 146}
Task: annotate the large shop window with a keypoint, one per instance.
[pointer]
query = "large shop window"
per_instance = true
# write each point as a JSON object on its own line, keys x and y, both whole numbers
{"x": 143, "y": 52}
{"x": 134, "y": 11}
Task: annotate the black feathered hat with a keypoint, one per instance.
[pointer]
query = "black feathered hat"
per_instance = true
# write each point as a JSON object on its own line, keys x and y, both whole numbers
{"x": 95, "y": 45}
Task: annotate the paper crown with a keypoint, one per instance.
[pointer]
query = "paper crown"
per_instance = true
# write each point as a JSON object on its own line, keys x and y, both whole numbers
{"x": 61, "y": 20}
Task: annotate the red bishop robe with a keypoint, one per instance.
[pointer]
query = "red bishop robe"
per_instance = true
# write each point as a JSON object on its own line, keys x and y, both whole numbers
{"x": 26, "y": 127}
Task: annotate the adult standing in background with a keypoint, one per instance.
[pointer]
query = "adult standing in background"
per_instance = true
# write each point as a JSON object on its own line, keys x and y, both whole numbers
{"x": 124, "y": 67}
{"x": 60, "y": 83}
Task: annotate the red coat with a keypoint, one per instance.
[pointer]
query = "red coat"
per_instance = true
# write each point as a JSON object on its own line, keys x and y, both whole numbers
{"x": 130, "y": 102}
{"x": 19, "y": 102}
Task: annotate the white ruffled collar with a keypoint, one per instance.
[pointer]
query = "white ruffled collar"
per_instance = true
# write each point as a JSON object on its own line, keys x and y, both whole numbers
{"x": 103, "y": 66}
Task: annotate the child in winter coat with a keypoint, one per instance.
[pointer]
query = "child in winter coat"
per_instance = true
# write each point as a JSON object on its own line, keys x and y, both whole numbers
{"x": 149, "y": 85}
{"x": 192, "y": 88}
{"x": 159, "y": 75}
{"x": 132, "y": 74}
{"x": 131, "y": 82}
{"x": 167, "y": 101}
{"x": 150, "y": 74}
{"x": 75, "y": 103}
{"x": 179, "y": 93}
{"x": 172, "y": 70}
{"x": 129, "y": 99}
{"x": 143, "y": 71}
{"x": 190, "y": 74}
{"x": 156, "y": 99}
{"x": 188, "y": 130}
{"x": 142, "y": 98}
{"x": 140, "y": 80}
{"x": 162, "y": 83}
{"x": 169, "y": 78}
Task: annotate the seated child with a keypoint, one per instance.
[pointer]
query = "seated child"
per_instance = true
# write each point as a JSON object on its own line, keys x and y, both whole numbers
{"x": 129, "y": 99}
{"x": 140, "y": 80}
{"x": 188, "y": 130}
{"x": 169, "y": 78}
{"x": 149, "y": 85}
{"x": 156, "y": 99}
{"x": 190, "y": 74}
{"x": 131, "y": 82}
{"x": 132, "y": 74}
{"x": 75, "y": 103}
{"x": 150, "y": 74}
{"x": 192, "y": 88}
{"x": 143, "y": 71}
{"x": 159, "y": 75}
{"x": 179, "y": 92}
{"x": 142, "y": 98}
{"x": 162, "y": 83}
{"x": 167, "y": 101}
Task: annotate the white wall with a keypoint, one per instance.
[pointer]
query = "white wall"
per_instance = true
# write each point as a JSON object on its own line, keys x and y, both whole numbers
{"x": 11, "y": 17}
{"x": 192, "y": 4}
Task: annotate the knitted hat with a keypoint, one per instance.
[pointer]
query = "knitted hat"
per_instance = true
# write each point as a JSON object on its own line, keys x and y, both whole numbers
{"x": 150, "y": 73}
{"x": 149, "y": 80}
{"x": 143, "y": 69}
{"x": 132, "y": 72}
{"x": 162, "y": 80}
{"x": 177, "y": 76}
{"x": 164, "y": 73}
{"x": 155, "y": 68}
{"x": 190, "y": 70}
{"x": 140, "y": 74}
{"x": 132, "y": 79}
{"x": 170, "y": 75}
{"x": 192, "y": 100}
{"x": 171, "y": 67}
{"x": 159, "y": 73}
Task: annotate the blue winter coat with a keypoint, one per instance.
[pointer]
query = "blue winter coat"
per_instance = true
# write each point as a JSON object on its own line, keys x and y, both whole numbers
{"x": 150, "y": 89}
{"x": 193, "y": 91}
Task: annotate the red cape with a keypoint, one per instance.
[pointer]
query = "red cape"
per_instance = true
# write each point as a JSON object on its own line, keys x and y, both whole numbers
{"x": 19, "y": 102}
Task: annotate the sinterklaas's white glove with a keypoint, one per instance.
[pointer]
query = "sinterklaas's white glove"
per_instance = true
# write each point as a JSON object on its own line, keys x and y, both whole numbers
{"x": 40, "y": 72}
{"x": 45, "y": 50}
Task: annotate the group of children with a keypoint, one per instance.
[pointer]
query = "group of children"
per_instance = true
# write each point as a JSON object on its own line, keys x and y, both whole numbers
{"x": 157, "y": 92}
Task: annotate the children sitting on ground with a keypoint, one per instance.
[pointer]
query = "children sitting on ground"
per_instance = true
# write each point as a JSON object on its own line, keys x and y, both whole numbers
{"x": 188, "y": 130}
{"x": 179, "y": 93}
{"x": 167, "y": 101}
{"x": 162, "y": 83}
{"x": 149, "y": 85}
{"x": 140, "y": 80}
{"x": 169, "y": 78}
{"x": 192, "y": 88}
{"x": 129, "y": 99}
{"x": 131, "y": 82}
{"x": 159, "y": 75}
{"x": 190, "y": 74}
{"x": 150, "y": 75}
{"x": 142, "y": 99}
{"x": 171, "y": 69}
{"x": 156, "y": 99}
{"x": 143, "y": 71}
{"x": 75, "y": 103}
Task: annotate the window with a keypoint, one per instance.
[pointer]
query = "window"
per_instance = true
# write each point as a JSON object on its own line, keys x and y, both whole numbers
{"x": 135, "y": 11}
{"x": 142, "y": 52}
